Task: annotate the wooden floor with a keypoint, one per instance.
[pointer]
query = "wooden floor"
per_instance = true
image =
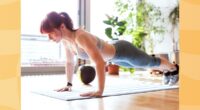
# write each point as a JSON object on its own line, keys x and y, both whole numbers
{"x": 159, "y": 100}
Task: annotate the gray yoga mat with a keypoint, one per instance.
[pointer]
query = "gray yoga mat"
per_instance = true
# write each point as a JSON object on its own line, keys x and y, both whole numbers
{"x": 109, "y": 91}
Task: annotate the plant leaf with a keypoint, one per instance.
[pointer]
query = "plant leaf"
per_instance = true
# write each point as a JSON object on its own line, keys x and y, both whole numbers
{"x": 108, "y": 32}
{"x": 108, "y": 22}
{"x": 121, "y": 23}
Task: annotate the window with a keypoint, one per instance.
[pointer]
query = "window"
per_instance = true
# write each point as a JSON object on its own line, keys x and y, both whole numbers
{"x": 37, "y": 50}
{"x": 99, "y": 8}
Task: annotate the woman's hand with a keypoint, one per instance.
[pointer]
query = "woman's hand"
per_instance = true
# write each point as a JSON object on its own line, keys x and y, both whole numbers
{"x": 66, "y": 88}
{"x": 92, "y": 94}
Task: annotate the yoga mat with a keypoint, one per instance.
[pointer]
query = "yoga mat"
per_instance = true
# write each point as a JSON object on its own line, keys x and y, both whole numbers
{"x": 109, "y": 91}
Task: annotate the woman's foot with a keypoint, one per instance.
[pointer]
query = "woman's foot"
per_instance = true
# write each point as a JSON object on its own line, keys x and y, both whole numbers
{"x": 174, "y": 76}
{"x": 166, "y": 78}
{"x": 171, "y": 78}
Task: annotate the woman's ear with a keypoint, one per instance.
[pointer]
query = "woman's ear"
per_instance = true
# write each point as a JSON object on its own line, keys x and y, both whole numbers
{"x": 62, "y": 26}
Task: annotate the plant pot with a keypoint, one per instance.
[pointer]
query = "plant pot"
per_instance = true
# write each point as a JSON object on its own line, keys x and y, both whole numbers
{"x": 113, "y": 69}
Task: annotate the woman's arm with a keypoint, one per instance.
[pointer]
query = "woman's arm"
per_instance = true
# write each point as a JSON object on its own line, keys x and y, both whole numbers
{"x": 95, "y": 56}
{"x": 69, "y": 66}
{"x": 69, "y": 69}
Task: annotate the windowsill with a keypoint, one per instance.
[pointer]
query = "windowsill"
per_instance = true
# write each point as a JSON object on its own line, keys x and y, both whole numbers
{"x": 42, "y": 70}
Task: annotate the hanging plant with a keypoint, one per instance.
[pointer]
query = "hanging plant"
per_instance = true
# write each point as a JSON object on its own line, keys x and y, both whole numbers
{"x": 174, "y": 19}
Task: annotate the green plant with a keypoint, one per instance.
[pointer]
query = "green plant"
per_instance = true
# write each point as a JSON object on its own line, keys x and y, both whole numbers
{"x": 174, "y": 20}
{"x": 116, "y": 27}
{"x": 142, "y": 19}
{"x": 148, "y": 16}
{"x": 131, "y": 70}
{"x": 174, "y": 15}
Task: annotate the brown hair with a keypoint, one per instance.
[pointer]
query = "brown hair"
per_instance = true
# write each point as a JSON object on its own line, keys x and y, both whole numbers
{"x": 54, "y": 20}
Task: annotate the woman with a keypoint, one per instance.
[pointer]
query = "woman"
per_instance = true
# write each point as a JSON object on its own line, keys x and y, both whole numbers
{"x": 59, "y": 27}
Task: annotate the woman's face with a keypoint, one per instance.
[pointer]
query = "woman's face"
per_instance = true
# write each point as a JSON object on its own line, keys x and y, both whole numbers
{"x": 55, "y": 35}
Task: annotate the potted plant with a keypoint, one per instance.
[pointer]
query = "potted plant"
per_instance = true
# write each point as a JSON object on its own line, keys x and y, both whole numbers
{"x": 115, "y": 29}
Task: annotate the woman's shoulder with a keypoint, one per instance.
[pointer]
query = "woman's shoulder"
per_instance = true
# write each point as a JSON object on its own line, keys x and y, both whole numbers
{"x": 81, "y": 33}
